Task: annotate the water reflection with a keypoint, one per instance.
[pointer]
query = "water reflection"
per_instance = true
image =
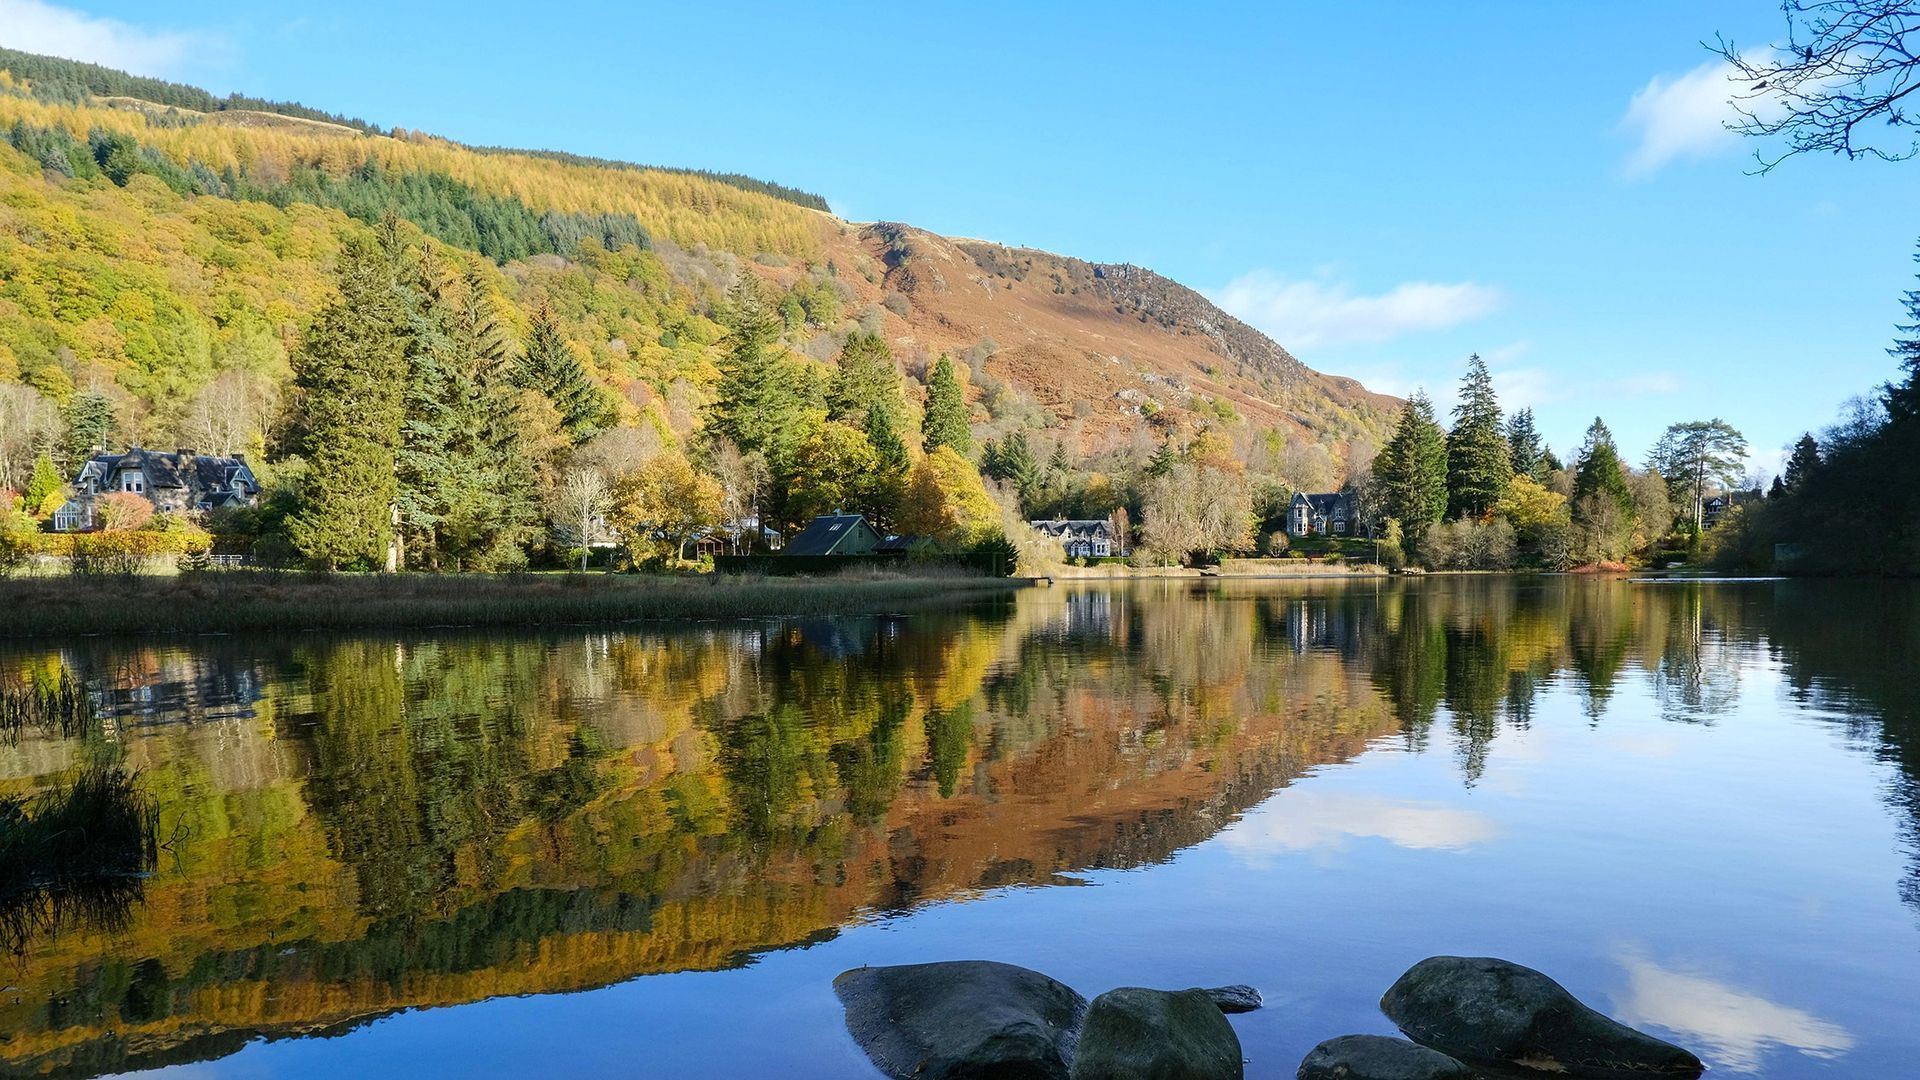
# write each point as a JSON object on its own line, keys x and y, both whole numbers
{"x": 1735, "y": 1029}
{"x": 364, "y": 825}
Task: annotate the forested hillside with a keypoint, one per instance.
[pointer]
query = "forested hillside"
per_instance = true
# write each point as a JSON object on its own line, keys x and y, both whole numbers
{"x": 164, "y": 255}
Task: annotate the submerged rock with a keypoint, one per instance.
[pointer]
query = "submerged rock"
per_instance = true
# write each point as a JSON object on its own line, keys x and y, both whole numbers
{"x": 1138, "y": 1034}
{"x": 1378, "y": 1057}
{"x": 962, "y": 1020}
{"x": 1497, "y": 1013}
{"x": 1238, "y": 998}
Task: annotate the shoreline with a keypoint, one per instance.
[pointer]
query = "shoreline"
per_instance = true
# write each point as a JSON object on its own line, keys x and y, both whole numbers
{"x": 253, "y": 602}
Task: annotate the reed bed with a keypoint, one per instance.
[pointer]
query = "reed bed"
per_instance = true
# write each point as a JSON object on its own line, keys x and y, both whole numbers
{"x": 252, "y": 601}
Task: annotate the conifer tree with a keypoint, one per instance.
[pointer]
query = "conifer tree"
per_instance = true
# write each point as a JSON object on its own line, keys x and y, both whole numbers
{"x": 1602, "y": 500}
{"x": 351, "y": 374}
{"x": 91, "y": 425}
{"x": 1012, "y": 460}
{"x": 1479, "y": 460}
{"x": 1801, "y": 464}
{"x": 1903, "y": 397}
{"x": 864, "y": 381}
{"x": 762, "y": 402}
{"x": 1164, "y": 458}
{"x": 548, "y": 364}
{"x": 946, "y": 419}
{"x": 888, "y": 485}
{"x": 1411, "y": 469}
{"x": 1528, "y": 454}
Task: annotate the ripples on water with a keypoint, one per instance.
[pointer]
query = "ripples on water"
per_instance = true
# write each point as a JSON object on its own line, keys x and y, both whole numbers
{"x": 1695, "y": 804}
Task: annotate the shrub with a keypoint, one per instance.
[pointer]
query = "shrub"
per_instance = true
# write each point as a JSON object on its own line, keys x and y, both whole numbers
{"x": 15, "y": 549}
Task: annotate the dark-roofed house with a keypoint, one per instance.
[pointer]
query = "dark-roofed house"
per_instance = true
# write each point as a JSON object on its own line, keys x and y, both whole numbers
{"x": 182, "y": 482}
{"x": 834, "y": 534}
{"x": 904, "y": 544}
{"x": 1717, "y": 505}
{"x": 1329, "y": 514}
{"x": 1082, "y": 538}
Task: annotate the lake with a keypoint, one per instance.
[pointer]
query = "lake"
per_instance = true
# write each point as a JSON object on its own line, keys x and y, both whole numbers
{"x": 647, "y": 851}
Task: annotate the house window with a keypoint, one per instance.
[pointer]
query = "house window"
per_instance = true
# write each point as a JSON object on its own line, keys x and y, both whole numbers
{"x": 133, "y": 482}
{"x": 66, "y": 521}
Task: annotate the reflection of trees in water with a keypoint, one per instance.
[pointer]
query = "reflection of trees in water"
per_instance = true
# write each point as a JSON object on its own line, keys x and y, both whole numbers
{"x": 1852, "y": 650}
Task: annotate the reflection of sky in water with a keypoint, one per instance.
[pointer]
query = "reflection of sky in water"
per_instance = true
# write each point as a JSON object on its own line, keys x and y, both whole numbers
{"x": 1728, "y": 1028}
{"x": 1304, "y": 819}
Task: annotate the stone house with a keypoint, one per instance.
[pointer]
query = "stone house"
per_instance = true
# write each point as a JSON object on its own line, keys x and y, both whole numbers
{"x": 1082, "y": 539}
{"x": 182, "y": 482}
{"x": 1329, "y": 514}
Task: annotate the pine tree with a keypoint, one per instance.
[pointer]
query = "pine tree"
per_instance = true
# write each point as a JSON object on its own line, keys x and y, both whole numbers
{"x": 548, "y": 364}
{"x": 946, "y": 418}
{"x": 1013, "y": 462}
{"x": 351, "y": 374}
{"x": 1479, "y": 460}
{"x": 762, "y": 402}
{"x": 1903, "y": 398}
{"x": 1803, "y": 462}
{"x": 1528, "y": 454}
{"x": 865, "y": 380}
{"x": 1162, "y": 463}
{"x": 1412, "y": 468}
{"x": 1602, "y": 501}
{"x": 91, "y": 425}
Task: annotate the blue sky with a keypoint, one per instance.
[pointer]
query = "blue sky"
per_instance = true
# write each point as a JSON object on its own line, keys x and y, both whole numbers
{"x": 1384, "y": 191}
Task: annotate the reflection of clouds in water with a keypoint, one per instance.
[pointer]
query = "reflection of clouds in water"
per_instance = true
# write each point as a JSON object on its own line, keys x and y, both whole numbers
{"x": 1734, "y": 1030}
{"x": 1300, "y": 820}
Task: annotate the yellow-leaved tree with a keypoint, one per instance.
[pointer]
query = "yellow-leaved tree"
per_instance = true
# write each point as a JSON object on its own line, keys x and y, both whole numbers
{"x": 661, "y": 506}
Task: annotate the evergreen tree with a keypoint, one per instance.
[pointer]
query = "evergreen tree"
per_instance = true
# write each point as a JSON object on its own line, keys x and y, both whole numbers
{"x": 1411, "y": 469}
{"x": 1160, "y": 464}
{"x": 1903, "y": 398}
{"x": 1012, "y": 461}
{"x": 1600, "y": 470}
{"x": 762, "y": 402}
{"x": 1697, "y": 454}
{"x": 1479, "y": 459}
{"x": 887, "y": 488}
{"x": 1528, "y": 454}
{"x": 946, "y": 418}
{"x": 1802, "y": 464}
{"x": 91, "y": 425}
{"x": 864, "y": 381}
{"x": 44, "y": 485}
{"x": 548, "y": 364}
{"x": 352, "y": 377}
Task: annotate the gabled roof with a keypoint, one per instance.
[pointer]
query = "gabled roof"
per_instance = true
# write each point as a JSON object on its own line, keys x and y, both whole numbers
{"x": 176, "y": 470}
{"x": 1074, "y": 528}
{"x": 825, "y": 533}
{"x": 1326, "y": 502}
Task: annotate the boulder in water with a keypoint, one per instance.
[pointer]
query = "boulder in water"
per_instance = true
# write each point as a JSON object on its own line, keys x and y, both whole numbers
{"x": 962, "y": 1020}
{"x": 1491, "y": 1012}
{"x": 1138, "y": 1034}
{"x": 1378, "y": 1057}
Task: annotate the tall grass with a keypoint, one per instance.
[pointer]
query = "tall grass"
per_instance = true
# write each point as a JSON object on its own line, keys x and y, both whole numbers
{"x": 251, "y": 601}
{"x": 59, "y": 708}
{"x": 74, "y": 854}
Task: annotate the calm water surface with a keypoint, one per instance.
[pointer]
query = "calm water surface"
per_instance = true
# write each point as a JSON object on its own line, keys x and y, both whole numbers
{"x": 648, "y": 852}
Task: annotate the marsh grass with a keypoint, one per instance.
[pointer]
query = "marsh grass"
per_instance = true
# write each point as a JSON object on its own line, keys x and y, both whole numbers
{"x": 249, "y": 601}
{"x": 60, "y": 708}
{"x": 74, "y": 854}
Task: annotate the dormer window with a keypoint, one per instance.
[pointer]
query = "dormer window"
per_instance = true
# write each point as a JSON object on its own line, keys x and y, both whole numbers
{"x": 133, "y": 482}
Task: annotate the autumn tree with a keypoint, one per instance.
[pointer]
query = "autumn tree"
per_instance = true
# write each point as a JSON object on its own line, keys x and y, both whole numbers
{"x": 122, "y": 511}
{"x": 581, "y": 504}
{"x": 946, "y": 499}
{"x": 1479, "y": 459}
{"x": 29, "y": 426}
{"x": 229, "y": 413}
{"x": 945, "y": 423}
{"x": 832, "y": 470}
{"x": 665, "y": 505}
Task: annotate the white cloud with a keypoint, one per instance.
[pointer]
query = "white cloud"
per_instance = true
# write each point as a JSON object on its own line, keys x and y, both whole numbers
{"x": 1303, "y": 820}
{"x": 1735, "y": 1029}
{"x": 1314, "y": 314}
{"x": 1686, "y": 116}
{"x": 33, "y": 26}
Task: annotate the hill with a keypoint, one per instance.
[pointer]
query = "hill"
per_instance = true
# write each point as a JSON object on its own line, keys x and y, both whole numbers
{"x": 155, "y": 239}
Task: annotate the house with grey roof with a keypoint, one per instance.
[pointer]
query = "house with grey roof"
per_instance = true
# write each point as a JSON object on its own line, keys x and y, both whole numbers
{"x": 1083, "y": 539}
{"x": 1328, "y": 514}
{"x": 182, "y": 482}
